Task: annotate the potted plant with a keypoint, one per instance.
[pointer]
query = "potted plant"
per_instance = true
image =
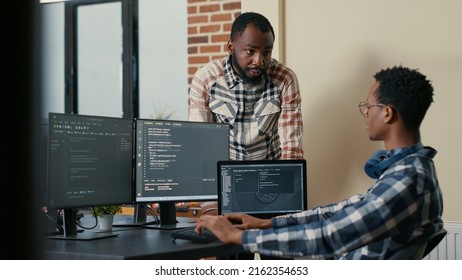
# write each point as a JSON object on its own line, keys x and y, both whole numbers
{"x": 105, "y": 215}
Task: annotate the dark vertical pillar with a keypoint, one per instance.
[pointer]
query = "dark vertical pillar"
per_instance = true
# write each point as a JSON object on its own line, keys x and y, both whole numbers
{"x": 20, "y": 130}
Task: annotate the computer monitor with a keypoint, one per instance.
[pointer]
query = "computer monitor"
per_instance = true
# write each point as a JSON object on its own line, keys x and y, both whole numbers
{"x": 176, "y": 161}
{"x": 90, "y": 163}
{"x": 262, "y": 188}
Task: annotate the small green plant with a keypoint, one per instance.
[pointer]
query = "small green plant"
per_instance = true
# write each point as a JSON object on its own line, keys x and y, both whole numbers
{"x": 106, "y": 210}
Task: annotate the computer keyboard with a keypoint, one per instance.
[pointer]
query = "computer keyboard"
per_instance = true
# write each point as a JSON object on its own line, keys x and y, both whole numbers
{"x": 189, "y": 234}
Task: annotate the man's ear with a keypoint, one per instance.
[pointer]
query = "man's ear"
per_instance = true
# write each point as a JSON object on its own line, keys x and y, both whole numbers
{"x": 230, "y": 46}
{"x": 389, "y": 114}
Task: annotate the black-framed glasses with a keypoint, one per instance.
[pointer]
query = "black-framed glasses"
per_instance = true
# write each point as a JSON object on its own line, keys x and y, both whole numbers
{"x": 364, "y": 107}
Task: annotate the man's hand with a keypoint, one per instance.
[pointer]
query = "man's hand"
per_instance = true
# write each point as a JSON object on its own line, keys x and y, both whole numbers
{"x": 221, "y": 227}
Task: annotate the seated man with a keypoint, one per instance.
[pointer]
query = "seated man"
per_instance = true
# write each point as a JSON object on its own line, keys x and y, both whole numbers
{"x": 404, "y": 203}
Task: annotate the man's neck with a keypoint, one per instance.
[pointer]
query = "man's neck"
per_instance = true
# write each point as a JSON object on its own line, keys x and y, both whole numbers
{"x": 403, "y": 139}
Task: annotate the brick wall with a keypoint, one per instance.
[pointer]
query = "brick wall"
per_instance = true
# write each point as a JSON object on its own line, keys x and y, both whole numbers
{"x": 209, "y": 26}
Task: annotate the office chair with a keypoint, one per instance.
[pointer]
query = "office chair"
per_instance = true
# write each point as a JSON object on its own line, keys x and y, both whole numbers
{"x": 420, "y": 247}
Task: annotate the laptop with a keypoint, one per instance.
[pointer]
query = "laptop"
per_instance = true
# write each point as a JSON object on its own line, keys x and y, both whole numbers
{"x": 262, "y": 188}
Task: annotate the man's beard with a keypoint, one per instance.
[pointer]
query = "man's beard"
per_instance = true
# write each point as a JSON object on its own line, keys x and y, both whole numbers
{"x": 253, "y": 80}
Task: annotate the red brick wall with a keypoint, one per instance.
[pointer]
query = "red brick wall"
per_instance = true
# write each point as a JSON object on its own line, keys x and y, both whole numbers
{"x": 209, "y": 25}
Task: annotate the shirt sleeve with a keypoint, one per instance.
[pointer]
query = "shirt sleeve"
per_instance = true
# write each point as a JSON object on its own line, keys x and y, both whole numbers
{"x": 290, "y": 124}
{"x": 199, "y": 91}
{"x": 313, "y": 215}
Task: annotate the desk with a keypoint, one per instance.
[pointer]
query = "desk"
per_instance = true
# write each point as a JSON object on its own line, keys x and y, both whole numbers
{"x": 136, "y": 243}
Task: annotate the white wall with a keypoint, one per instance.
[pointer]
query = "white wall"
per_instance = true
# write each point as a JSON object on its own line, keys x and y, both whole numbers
{"x": 335, "y": 47}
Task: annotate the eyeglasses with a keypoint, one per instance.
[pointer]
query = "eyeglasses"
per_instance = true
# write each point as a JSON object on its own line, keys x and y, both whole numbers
{"x": 364, "y": 107}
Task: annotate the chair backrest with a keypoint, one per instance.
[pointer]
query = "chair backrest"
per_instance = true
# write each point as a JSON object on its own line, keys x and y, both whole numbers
{"x": 420, "y": 247}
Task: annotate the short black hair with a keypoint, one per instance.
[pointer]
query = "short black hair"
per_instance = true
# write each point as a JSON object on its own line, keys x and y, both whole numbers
{"x": 241, "y": 22}
{"x": 408, "y": 91}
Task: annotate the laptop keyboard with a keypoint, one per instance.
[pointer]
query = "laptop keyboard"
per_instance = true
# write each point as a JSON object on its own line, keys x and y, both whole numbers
{"x": 189, "y": 234}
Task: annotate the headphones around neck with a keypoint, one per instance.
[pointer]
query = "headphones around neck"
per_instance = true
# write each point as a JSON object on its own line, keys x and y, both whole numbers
{"x": 378, "y": 163}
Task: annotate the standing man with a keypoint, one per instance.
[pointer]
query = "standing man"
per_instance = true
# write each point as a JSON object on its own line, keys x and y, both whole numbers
{"x": 404, "y": 203}
{"x": 255, "y": 94}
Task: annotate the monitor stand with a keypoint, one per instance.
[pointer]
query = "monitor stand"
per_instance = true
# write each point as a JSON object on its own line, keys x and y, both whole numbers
{"x": 71, "y": 232}
{"x": 168, "y": 218}
{"x": 140, "y": 218}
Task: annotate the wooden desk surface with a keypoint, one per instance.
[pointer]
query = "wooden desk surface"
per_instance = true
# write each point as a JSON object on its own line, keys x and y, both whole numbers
{"x": 136, "y": 243}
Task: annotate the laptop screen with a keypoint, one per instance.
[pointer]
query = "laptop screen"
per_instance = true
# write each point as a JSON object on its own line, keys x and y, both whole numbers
{"x": 264, "y": 189}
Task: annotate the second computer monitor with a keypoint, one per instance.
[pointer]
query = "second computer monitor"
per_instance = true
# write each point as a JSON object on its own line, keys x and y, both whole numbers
{"x": 176, "y": 161}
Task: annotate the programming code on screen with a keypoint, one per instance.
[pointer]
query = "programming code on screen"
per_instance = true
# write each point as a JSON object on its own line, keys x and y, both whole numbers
{"x": 90, "y": 160}
{"x": 176, "y": 161}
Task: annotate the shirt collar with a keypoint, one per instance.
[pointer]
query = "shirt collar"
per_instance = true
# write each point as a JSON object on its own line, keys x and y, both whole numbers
{"x": 417, "y": 146}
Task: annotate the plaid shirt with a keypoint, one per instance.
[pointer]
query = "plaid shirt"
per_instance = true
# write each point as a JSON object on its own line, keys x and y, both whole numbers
{"x": 265, "y": 120}
{"x": 404, "y": 203}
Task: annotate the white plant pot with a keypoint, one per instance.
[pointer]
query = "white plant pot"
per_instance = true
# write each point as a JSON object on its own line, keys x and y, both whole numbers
{"x": 105, "y": 222}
